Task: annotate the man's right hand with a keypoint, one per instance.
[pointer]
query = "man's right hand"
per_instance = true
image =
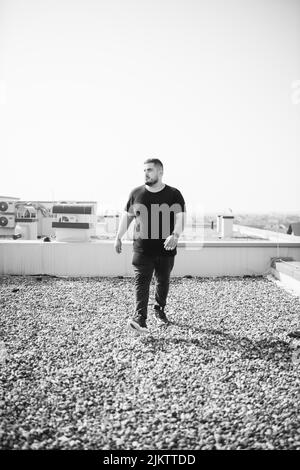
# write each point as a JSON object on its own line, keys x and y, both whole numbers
{"x": 118, "y": 245}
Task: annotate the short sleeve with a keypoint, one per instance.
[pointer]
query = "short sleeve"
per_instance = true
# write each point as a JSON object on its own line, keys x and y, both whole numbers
{"x": 129, "y": 205}
{"x": 178, "y": 199}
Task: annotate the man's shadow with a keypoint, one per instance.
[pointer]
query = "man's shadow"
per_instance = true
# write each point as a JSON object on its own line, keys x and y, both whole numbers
{"x": 266, "y": 349}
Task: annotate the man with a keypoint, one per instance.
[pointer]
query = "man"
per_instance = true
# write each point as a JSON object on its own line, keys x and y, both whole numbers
{"x": 159, "y": 213}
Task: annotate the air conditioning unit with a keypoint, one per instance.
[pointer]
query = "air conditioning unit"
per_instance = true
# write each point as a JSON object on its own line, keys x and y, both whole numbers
{"x": 7, "y": 221}
{"x": 7, "y": 206}
{"x": 74, "y": 221}
{"x": 68, "y": 218}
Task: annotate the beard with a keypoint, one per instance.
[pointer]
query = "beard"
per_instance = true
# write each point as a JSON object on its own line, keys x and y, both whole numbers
{"x": 149, "y": 182}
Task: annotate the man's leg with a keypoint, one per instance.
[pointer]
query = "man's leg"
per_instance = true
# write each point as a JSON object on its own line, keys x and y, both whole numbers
{"x": 143, "y": 267}
{"x": 163, "y": 268}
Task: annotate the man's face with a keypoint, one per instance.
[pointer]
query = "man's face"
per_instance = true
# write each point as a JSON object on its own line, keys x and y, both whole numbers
{"x": 152, "y": 174}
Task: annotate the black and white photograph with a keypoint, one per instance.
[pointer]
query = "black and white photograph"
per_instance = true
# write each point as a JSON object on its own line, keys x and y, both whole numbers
{"x": 149, "y": 229}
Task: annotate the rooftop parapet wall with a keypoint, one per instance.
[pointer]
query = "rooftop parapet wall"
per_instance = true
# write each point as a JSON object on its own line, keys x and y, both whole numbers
{"x": 98, "y": 258}
{"x": 269, "y": 234}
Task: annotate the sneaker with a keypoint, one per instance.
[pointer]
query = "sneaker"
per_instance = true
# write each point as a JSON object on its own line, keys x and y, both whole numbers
{"x": 160, "y": 315}
{"x": 138, "y": 324}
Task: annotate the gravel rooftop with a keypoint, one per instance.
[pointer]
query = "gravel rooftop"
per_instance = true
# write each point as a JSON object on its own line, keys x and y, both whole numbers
{"x": 223, "y": 375}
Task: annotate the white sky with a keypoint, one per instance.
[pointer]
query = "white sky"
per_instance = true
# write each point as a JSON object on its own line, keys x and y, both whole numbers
{"x": 90, "y": 89}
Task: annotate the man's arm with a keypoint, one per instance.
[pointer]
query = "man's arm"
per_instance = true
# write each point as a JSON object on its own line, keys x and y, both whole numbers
{"x": 179, "y": 224}
{"x": 171, "y": 241}
{"x": 124, "y": 224}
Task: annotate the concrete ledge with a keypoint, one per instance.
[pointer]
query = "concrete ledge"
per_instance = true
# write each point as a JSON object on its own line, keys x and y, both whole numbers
{"x": 288, "y": 281}
{"x": 98, "y": 258}
{"x": 181, "y": 244}
{"x": 291, "y": 268}
{"x": 268, "y": 234}
{"x": 239, "y": 243}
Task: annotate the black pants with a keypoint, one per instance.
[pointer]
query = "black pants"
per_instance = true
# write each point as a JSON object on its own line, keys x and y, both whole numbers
{"x": 143, "y": 267}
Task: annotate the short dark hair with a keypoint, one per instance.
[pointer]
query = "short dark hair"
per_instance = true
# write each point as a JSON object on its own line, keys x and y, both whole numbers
{"x": 155, "y": 161}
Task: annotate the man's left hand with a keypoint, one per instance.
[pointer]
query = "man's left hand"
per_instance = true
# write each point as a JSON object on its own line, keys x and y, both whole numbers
{"x": 170, "y": 242}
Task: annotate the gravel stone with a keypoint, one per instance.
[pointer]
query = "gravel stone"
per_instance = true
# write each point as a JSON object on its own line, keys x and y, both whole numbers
{"x": 222, "y": 375}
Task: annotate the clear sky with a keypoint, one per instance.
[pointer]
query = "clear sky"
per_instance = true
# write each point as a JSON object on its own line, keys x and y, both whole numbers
{"x": 91, "y": 88}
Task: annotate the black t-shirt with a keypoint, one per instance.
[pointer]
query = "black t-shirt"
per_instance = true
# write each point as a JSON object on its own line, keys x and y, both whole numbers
{"x": 154, "y": 218}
